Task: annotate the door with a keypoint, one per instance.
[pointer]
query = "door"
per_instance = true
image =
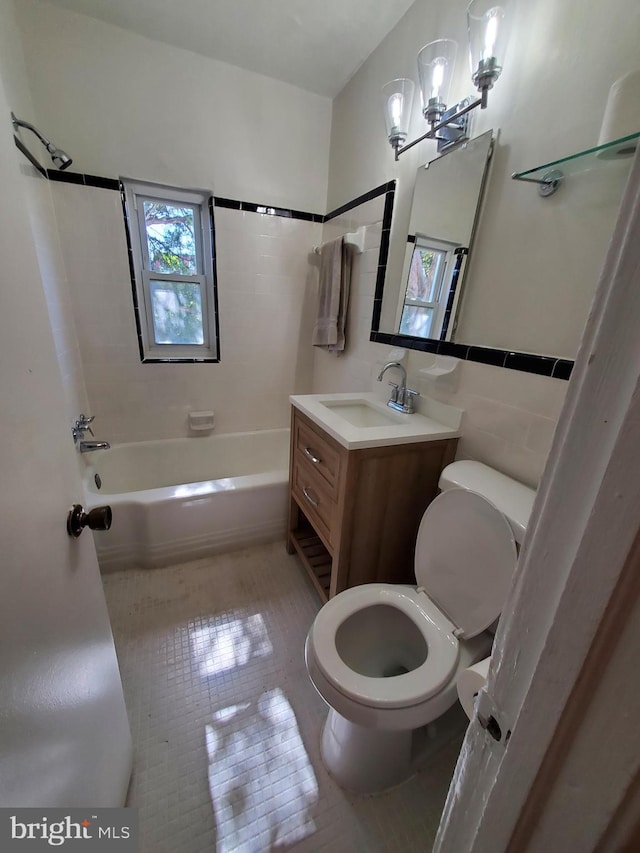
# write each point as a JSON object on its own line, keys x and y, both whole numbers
{"x": 64, "y": 733}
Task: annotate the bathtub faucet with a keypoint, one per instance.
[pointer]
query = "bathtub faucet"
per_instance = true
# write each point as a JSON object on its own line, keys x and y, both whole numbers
{"x": 88, "y": 446}
{"x": 82, "y": 425}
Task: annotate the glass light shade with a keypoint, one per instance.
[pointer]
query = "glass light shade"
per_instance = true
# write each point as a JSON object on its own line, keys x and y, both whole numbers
{"x": 488, "y": 35}
{"x": 397, "y": 99}
{"x": 436, "y": 62}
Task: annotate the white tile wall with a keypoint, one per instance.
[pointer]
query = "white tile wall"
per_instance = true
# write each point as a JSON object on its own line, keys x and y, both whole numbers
{"x": 56, "y": 289}
{"x": 509, "y": 419}
{"x": 510, "y": 416}
{"x": 265, "y": 289}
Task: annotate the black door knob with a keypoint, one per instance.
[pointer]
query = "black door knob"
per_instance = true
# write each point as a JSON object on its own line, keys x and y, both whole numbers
{"x": 98, "y": 518}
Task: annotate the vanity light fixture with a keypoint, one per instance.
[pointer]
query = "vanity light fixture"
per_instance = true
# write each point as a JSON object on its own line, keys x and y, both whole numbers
{"x": 487, "y": 24}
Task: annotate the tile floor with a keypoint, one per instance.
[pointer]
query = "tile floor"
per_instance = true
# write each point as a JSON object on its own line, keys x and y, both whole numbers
{"x": 226, "y": 724}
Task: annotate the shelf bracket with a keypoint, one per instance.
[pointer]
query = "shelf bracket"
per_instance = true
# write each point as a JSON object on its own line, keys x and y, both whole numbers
{"x": 548, "y": 184}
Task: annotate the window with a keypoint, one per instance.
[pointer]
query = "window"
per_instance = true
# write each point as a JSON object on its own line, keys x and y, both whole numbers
{"x": 428, "y": 282}
{"x": 172, "y": 245}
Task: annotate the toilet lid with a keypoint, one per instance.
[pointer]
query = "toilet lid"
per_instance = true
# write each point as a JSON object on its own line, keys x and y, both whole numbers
{"x": 465, "y": 558}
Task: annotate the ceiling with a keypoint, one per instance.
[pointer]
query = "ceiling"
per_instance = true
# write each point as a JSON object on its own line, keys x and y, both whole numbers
{"x": 315, "y": 44}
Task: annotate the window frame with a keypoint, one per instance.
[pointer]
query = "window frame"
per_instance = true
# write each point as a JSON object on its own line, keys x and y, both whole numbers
{"x": 443, "y": 282}
{"x": 135, "y": 194}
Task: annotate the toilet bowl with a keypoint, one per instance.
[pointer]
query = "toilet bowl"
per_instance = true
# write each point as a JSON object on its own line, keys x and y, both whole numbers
{"x": 386, "y": 657}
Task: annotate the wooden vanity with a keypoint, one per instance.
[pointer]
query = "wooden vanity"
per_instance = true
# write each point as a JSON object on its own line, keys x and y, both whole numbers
{"x": 354, "y": 512}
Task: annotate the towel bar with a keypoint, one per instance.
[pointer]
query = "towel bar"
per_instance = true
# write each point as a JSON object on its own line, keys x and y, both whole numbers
{"x": 355, "y": 239}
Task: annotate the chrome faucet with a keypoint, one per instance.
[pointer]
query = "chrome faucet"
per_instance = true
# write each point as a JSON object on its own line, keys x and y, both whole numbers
{"x": 82, "y": 425}
{"x": 88, "y": 446}
{"x": 401, "y": 397}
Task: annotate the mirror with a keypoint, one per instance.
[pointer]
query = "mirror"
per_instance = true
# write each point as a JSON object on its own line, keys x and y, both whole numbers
{"x": 446, "y": 200}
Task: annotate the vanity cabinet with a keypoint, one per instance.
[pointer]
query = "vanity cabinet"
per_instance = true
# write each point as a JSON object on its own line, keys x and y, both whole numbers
{"x": 354, "y": 514}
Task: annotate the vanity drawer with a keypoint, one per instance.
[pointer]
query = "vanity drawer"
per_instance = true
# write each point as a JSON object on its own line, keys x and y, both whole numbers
{"x": 314, "y": 497}
{"x": 315, "y": 450}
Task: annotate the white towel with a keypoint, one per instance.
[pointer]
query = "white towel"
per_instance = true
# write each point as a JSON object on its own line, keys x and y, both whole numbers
{"x": 333, "y": 296}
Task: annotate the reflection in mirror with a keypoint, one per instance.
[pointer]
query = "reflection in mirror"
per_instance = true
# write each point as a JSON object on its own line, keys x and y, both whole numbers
{"x": 421, "y": 302}
{"x": 446, "y": 198}
{"x": 429, "y": 284}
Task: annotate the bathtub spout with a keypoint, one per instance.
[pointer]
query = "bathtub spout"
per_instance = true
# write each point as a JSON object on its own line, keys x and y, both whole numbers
{"x": 88, "y": 446}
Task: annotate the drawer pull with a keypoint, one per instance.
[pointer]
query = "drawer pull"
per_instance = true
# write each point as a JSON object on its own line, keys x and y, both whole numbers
{"x": 311, "y": 455}
{"x": 311, "y": 500}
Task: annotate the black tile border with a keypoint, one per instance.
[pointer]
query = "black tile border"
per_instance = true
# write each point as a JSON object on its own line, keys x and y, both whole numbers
{"x": 487, "y": 355}
{"x": 389, "y": 196}
{"x": 557, "y": 368}
{"x": 66, "y": 177}
{"x": 83, "y": 180}
{"x": 543, "y": 365}
{"x": 562, "y": 369}
{"x": 132, "y": 272}
{"x": 214, "y": 270}
{"x": 361, "y": 199}
{"x": 266, "y": 209}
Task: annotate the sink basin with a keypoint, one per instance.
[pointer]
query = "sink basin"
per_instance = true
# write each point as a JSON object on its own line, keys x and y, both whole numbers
{"x": 361, "y": 413}
{"x": 362, "y": 419}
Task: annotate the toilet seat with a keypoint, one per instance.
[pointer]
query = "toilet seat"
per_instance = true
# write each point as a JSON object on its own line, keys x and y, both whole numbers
{"x": 397, "y": 691}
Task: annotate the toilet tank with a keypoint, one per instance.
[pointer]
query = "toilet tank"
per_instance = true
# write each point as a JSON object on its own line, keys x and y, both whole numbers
{"x": 513, "y": 499}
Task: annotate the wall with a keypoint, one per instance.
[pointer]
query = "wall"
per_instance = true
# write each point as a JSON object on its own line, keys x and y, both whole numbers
{"x": 124, "y": 105}
{"x": 538, "y": 258}
{"x": 509, "y": 416}
{"x": 42, "y": 220}
{"x": 263, "y": 281}
{"x": 121, "y": 104}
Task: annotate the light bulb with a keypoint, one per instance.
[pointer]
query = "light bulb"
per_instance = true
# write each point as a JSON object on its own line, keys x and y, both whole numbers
{"x": 491, "y": 33}
{"x": 438, "y": 76}
{"x": 395, "y": 107}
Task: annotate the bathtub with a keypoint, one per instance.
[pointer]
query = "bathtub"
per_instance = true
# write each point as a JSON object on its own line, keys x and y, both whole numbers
{"x": 184, "y": 498}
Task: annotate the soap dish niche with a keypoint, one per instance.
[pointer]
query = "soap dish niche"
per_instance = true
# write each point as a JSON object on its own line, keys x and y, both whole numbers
{"x": 443, "y": 368}
{"x": 201, "y": 421}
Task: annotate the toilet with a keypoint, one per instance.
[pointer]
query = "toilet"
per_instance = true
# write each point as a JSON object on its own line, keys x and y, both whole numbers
{"x": 385, "y": 657}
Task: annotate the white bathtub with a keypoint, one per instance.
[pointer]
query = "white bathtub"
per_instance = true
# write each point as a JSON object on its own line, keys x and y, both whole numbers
{"x": 185, "y": 498}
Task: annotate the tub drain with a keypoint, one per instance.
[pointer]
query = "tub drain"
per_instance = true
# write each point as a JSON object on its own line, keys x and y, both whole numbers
{"x": 97, "y": 481}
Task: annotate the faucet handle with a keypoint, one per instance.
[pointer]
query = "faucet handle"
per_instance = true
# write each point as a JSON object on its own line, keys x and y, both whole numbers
{"x": 409, "y": 395}
{"x": 82, "y": 425}
{"x": 394, "y": 391}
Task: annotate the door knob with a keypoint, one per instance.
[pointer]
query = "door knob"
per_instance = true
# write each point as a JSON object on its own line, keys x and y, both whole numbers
{"x": 98, "y": 518}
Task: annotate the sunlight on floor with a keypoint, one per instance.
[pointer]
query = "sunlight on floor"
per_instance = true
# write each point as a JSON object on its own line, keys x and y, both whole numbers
{"x": 226, "y": 643}
{"x": 212, "y": 660}
{"x": 261, "y": 782}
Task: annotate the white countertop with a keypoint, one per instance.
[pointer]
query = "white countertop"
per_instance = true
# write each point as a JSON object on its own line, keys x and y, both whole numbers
{"x": 436, "y": 421}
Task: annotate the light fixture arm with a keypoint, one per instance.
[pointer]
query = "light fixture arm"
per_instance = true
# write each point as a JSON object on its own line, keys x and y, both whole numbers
{"x": 432, "y": 133}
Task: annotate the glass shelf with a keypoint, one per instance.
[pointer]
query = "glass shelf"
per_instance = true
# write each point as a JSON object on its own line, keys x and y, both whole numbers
{"x": 549, "y": 176}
